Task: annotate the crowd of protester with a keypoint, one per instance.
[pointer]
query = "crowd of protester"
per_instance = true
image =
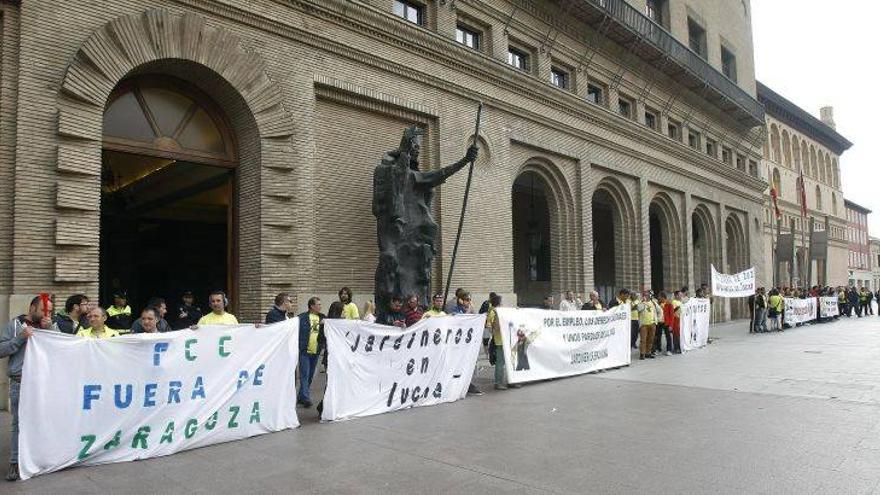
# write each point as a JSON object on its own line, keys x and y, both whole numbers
{"x": 768, "y": 307}
{"x": 655, "y": 321}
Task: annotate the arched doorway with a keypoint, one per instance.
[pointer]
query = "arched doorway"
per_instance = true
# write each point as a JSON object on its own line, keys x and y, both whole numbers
{"x": 737, "y": 261}
{"x": 614, "y": 250}
{"x": 704, "y": 246}
{"x": 532, "y": 259}
{"x": 168, "y": 183}
{"x": 665, "y": 235}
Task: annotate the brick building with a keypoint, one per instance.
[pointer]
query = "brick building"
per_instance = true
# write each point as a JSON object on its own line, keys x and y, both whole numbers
{"x": 800, "y": 145}
{"x": 163, "y": 145}
{"x": 860, "y": 262}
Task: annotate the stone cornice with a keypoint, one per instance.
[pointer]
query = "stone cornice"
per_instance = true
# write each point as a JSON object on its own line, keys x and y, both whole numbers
{"x": 380, "y": 25}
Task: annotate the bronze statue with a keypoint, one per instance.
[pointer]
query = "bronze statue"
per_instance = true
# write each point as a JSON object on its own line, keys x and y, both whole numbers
{"x": 405, "y": 229}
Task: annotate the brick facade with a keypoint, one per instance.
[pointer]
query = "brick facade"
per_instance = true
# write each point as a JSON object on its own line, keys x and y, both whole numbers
{"x": 316, "y": 91}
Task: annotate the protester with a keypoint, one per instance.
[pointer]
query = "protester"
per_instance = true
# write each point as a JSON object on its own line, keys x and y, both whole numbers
{"x": 369, "y": 312}
{"x": 549, "y": 302}
{"x": 664, "y": 326}
{"x": 311, "y": 343}
{"x": 218, "y": 315}
{"x": 161, "y": 308}
{"x": 119, "y": 314}
{"x": 349, "y": 308}
{"x": 864, "y": 302}
{"x": 436, "y": 308}
{"x": 188, "y": 314}
{"x": 760, "y": 318}
{"x": 98, "y": 328}
{"x": 676, "y": 322}
{"x": 413, "y": 312}
{"x": 647, "y": 319}
{"x": 149, "y": 320}
{"x": 853, "y": 298}
{"x": 75, "y": 308}
{"x": 496, "y": 348}
{"x": 450, "y": 305}
{"x": 462, "y": 303}
{"x": 593, "y": 304}
{"x": 568, "y": 303}
{"x": 484, "y": 308}
{"x": 394, "y": 315}
{"x": 623, "y": 297}
{"x": 13, "y": 343}
{"x": 776, "y": 306}
{"x": 281, "y": 308}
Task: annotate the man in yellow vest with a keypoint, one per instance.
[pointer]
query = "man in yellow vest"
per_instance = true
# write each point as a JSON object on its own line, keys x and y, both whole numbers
{"x": 119, "y": 314}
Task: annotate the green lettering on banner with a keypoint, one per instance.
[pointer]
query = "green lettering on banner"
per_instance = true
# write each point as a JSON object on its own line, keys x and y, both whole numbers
{"x": 212, "y": 421}
{"x": 255, "y": 413}
{"x": 222, "y": 350}
{"x": 88, "y": 441}
{"x": 190, "y": 356}
{"x": 117, "y": 439}
{"x": 140, "y": 438}
{"x": 168, "y": 436}
{"x": 190, "y": 429}
{"x": 234, "y": 411}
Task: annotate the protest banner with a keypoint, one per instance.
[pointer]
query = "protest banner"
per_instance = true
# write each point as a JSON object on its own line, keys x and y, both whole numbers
{"x": 90, "y": 401}
{"x": 373, "y": 369}
{"x": 540, "y": 344}
{"x": 799, "y": 310}
{"x": 741, "y": 284}
{"x": 828, "y": 307}
{"x": 694, "y": 323}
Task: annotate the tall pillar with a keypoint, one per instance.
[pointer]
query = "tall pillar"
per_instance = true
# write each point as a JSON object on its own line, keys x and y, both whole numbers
{"x": 644, "y": 234}
{"x": 688, "y": 231}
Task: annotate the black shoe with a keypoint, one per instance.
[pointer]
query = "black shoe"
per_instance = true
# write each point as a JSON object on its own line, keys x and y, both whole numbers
{"x": 650, "y": 356}
{"x": 514, "y": 385}
{"x": 641, "y": 357}
{"x": 473, "y": 390}
{"x": 12, "y": 474}
{"x": 321, "y": 407}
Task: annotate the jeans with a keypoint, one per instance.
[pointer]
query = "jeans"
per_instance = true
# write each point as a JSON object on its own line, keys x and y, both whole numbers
{"x": 633, "y": 332}
{"x": 499, "y": 365}
{"x": 760, "y": 319}
{"x": 662, "y": 330}
{"x": 307, "y": 364}
{"x": 14, "y": 391}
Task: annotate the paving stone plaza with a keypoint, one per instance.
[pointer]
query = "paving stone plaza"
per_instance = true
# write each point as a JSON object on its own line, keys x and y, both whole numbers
{"x": 792, "y": 412}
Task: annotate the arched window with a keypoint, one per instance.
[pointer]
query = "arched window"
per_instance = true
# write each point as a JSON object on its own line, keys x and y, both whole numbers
{"x": 834, "y": 204}
{"x": 818, "y": 198}
{"x": 813, "y": 162}
{"x": 796, "y": 153}
{"x": 836, "y": 170}
{"x": 805, "y": 160}
{"x": 163, "y": 117}
{"x": 774, "y": 142}
{"x": 786, "y": 149}
{"x": 829, "y": 175}
{"x": 777, "y": 181}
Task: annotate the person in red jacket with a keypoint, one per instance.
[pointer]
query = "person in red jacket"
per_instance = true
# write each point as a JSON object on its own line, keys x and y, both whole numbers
{"x": 671, "y": 316}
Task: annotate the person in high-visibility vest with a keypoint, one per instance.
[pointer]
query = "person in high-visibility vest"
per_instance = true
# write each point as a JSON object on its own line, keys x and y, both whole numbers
{"x": 119, "y": 314}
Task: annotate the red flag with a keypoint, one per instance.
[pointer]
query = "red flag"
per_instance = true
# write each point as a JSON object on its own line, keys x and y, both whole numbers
{"x": 774, "y": 193}
{"x": 802, "y": 186}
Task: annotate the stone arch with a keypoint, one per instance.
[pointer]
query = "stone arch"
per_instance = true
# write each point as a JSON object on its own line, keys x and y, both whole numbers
{"x": 774, "y": 143}
{"x": 829, "y": 175}
{"x": 665, "y": 257}
{"x": 786, "y": 149}
{"x": 805, "y": 160}
{"x": 213, "y": 59}
{"x": 796, "y": 153}
{"x": 564, "y": 266}
{"x": 737, "y": 258}
{"x": 818, "y": 198}
{"x": 704, "y": 237}
{"x": 615, "y": 238}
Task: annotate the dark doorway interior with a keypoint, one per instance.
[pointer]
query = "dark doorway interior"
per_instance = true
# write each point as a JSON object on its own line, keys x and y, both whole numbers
{"x": 604, "y": 256}
{"x": 165, "y": 228}
{"x": 656, "y": 234}
{"x": 531, "y": 240}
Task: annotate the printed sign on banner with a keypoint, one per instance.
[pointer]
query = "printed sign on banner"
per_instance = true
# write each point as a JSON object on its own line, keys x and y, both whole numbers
{"x": 540, "y": 344}
{"x": 741, "y": 284}
{"x": 828, "y": 307}
{"x": 373, "y": 369}
{"x": 694, "y": 323}
{"x": 799, "y": 310}
{"x": 88, "y": 401}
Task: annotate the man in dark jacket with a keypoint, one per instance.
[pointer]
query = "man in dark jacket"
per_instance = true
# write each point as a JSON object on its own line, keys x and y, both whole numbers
{"x": 188, "y": 314}
{"x": 311, "y": 343}
{"x": 160, "y": 308}
{"x": 75, "y": 308}
{"x": 280, "y": 310}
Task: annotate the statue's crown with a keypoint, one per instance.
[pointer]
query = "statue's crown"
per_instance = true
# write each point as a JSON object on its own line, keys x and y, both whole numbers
{"x": 409, "y": 134}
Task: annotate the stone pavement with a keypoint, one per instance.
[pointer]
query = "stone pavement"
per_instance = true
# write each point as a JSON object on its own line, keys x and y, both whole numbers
{"x": 794, "y": 412}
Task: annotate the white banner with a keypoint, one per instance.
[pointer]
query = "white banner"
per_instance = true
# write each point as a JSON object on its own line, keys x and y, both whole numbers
{"x": 828, "y": 307}
{"x": 540, "y": 344}
{"x": 89, "y": 401}
{"x": 741, "y": 284}
{"x": 695, "y": 323}
{"x": 799, "y": 310}
{"x": 373, "y": 369}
